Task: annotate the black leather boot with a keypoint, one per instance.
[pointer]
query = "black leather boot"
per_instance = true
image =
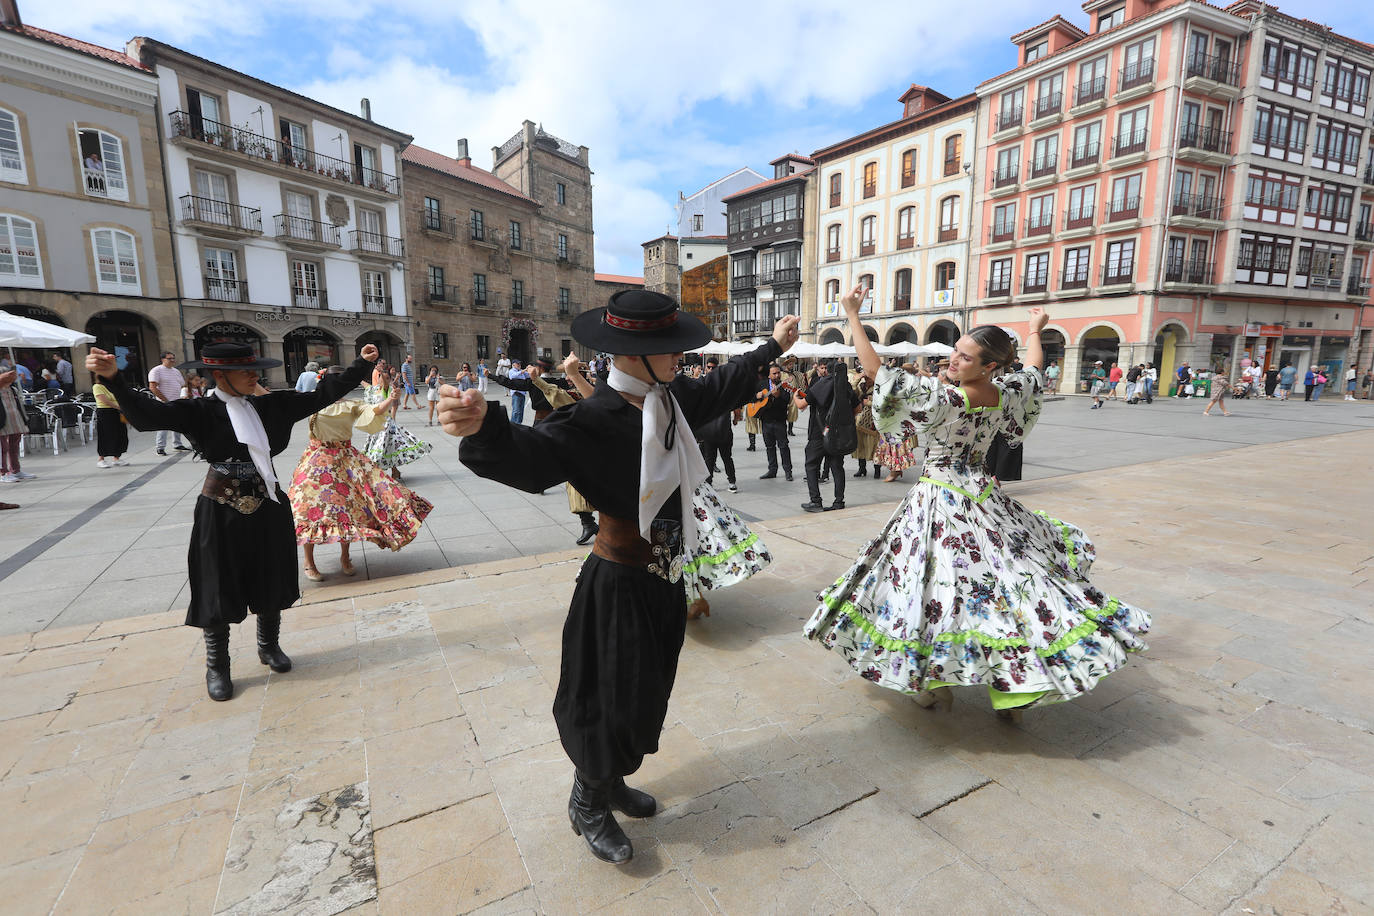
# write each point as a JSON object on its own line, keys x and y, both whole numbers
{"x": 269, "y": 647}
{"x": 590, "y": 528}
{"x": 631, "y": 802}
{"x": 217, "y": 682}
{"x": 589, "y": 811}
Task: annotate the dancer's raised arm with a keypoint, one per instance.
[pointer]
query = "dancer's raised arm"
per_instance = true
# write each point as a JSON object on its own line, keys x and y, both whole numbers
{"x": 1035, "y": 353}
{"x": 868, "y": 357}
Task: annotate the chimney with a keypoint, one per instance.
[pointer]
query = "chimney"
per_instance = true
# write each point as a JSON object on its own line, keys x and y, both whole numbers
{"x": 463, "y": 156}
{"x": 367, "y": 107}
{"x": 9, "y": 14}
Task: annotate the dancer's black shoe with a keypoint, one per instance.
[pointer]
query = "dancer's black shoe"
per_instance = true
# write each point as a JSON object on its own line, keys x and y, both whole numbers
{"x": 217, "y": 682}
{"x": 589, "y": 811}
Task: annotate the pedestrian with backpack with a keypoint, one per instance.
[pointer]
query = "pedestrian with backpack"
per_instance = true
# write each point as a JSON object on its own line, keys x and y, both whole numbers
{"x": 831, "y": 432}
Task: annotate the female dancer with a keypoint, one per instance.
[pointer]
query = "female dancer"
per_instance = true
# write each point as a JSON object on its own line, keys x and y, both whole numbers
{"x": 392, "y": 447}
{"x": 965, "y": 586}
{"x": 896, "y": 453}
{"x": 629, "y": 449}
{"x": 111, "y": 435}
{"x": 338, "y": 496}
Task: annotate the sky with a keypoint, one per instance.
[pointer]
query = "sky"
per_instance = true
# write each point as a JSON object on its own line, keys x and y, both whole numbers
{"x": 667, "y": 97}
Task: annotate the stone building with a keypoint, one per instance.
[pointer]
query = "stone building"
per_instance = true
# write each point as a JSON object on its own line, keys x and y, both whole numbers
{"x": 500, "y": 261}
{"x": 83, "y": 207}
{"x": 287, "y": 215}
{"x": 663, "y": 265}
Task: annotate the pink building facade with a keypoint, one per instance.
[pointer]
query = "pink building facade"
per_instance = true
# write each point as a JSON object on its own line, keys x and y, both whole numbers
{"x": 1114, "y": 169}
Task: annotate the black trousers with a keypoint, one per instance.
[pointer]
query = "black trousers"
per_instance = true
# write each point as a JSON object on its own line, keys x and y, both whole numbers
{"x": 775, "y": 440}
{"x": 815, "y": 459}
{"x": 709, "y": 452}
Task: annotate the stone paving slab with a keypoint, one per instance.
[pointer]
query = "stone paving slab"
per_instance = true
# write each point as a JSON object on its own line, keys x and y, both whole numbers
{"x": 409, "y": 764}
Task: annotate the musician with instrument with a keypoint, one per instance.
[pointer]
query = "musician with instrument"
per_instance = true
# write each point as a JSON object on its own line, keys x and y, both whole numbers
{"x": 770, "y": 407}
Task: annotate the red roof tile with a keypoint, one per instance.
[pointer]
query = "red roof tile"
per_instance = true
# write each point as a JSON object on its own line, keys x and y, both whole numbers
{"x": 898, "y": 127}
{"x": 428, "y": 158}
{"x": 763, "y": 184}
{"x": 1056, "y": 19}
{"x": 797, "y": 156}
{"x": 74, "y": 44}
{"x": 617, "y": 278}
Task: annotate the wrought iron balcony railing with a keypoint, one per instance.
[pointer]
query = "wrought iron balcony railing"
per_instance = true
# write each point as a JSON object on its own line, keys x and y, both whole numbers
{"x": 306, "y": 230}
{"x": 1214, "y": 68}
{"x": 221, "y": 289}
{"x": 361, "y": 241}
{"x": 1137, "y": 74}
{"x": 1091, "y": 90}
{"x": 220, "y": 213}
{"x": 1210, "y": 139}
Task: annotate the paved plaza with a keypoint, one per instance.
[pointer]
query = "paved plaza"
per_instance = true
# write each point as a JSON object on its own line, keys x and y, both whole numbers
{"x": 409, "y": 763}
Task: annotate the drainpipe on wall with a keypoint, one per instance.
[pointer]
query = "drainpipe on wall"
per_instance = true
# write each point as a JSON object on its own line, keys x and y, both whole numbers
{"x": 1163, "y": 246}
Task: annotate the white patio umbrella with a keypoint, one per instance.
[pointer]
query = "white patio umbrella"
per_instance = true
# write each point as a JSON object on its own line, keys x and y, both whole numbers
{"x": 904, "y": 348}
{"x": 935, "y": 348}
{"x": 28, "y": 332}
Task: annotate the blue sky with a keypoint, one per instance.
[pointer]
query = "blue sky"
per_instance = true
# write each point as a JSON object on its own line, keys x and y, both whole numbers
{"x": 665, "y": 104}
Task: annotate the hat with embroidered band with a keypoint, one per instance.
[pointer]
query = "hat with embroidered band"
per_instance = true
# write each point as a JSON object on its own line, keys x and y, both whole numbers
{"x": 228, "y": 355}
{"x": 636, "y": 322}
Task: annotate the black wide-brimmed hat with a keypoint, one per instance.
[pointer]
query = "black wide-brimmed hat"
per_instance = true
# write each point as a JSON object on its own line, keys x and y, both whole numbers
{"x": 228, "y": 355}
{"x": 636, "y": 322}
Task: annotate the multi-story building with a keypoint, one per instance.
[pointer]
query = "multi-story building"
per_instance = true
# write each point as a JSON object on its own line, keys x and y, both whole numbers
{"x": 702, "y": 213}
{"x": 287, "y": 215}
{"x": 83, "y": 208}
{"x": 765, "y": 231}
{"x": 1143, "y": 179}
{"x": 891, "y": 210}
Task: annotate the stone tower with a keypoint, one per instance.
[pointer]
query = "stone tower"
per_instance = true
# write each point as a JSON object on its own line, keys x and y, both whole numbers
{"x": 662, "y": 267}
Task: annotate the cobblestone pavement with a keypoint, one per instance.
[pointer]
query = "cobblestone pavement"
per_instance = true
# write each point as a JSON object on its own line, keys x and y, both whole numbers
{"x": 409, "y": 763}
{"x": 92, "y": 545}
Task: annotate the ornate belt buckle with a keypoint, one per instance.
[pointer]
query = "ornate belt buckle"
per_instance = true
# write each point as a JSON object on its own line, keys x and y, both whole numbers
{"x": 247, "y": 505}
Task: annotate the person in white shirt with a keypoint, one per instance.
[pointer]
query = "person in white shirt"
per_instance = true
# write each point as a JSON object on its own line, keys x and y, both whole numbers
{"x": 309, "y": 377}
{"x": 166, "y": 382}
{"x": 503, "y": 367}
{"x": 1350, "y": 376}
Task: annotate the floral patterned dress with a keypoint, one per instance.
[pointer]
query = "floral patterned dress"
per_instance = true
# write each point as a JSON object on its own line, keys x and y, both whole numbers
{"x": 725, "y": 552}
{"x": 964, "y": 585}
{"x": 392, "y": 447}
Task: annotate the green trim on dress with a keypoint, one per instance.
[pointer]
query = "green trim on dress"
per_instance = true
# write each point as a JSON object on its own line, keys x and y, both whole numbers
{"x": 980, "y": 498}
{"x": 1064, "y": 535}
{"x": 967, "y": 409}
{"x": 718, "y": 558}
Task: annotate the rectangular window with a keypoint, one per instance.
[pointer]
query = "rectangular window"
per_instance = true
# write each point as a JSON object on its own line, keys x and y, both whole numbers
{"x": 1082, "y": 204}
{"x": 1138, "y": 65}
{"x": 436, "y": 282}
{"x": 562, "y": 192}
{"x": 375, "y": 300}
{"x": 477, "y": 223}
{"x": 562, "y": 247}
{"x": 1110, "y": 19}
{"x": 102, "y": 164}
{"x": 1004, "y": 222}
{"x": 517, "y": 294}
{"x": 222, "y": 276}
{"x": 479, "y": 289}
{"x": 483, "y": 346}
{"x": 305, "y": 285}
{"x": 1012, "y": 109}
{"x": 365, "y": 167}
{"x": 1040, "y": 215}
{"x": 1037, "y": 276}
{"x": 1092, "y": 81}
{"x": 1008, "y": 167}
{"x": 870, "y": 179}
{"x": 1045, "y": 156}
{"x": 999, "y": 277}
{"x": 1120, "y": 266}
{"x": 516, "y": 238}
{"x": 19, "y": 264}
{"x": 832, "y": 243}
{"x": 1132, "y": 131}
{"x": 116, "y": 261}
{"x": 1036, "y": 51}
{"x": 433, "y": 216}
{"x": 954, "y": 154}
{"x": 1125, "y": 198}
{"x": 1087, "y": 144}
{"x": 1049, "y": 95}
{"x": 1077, "y": 262}
{"x": 908, "y": 168}
{"x": 949, "y": 219}
{"x": 12, "y": 166}
{"x": 564, "y": 300}
{"x": 835, "y": 183}
{"x": 438, "y": 345}
{"x": 698, "y": 222}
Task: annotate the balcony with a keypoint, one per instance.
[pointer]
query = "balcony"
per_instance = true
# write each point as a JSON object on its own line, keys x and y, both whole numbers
{"x": 1079, "y": 218}
{"x": 1048, "y": 106}
{"x": 947, "y": 234}
{"x": 519, "y": 302}
{"x": 1369, "y": 172}
{"x": 220, "y": 218}
{"x": 743, "y": 281}
{"x": 906, "y": 240}
{"x": 483, "y": 299}
{"x": 745, "y": 325}
{"x": 1134, "y": 76}
{"x": 951, "y": 167}
{"x": 1074, "y": 278}
{"x": 218, "y": 289}
{"x": 1364, "y": 232}
{"x": 1085, "y": 156}
{"x": 832, "y": 254}
{"x": 377, "y": 305}
{"x": 1123, "y": 208}
{"x": 1004, "y": 231}
{"x": 1090, "y": 92}
{"x": 186, "y": 128}
{"x": 1118, "y": 274}
{"x": 1208, "y": 144}
{"x": 305, "y": 297}
{"x": 308, "y": 234}
{"x": 1357, "y": 288}
{"x": 1040, "y": 225}
{"x": 999, "y": 287}
{"x": 901, "y": 303}
{"x": 1037, "y": 282}
{"x": 1209, "y": 68}
{"x": 375, "y": 245}
{"x": 102, "y": 183}
{"x": 1196, "y": 207}
{"x": 785, "y": 275}
{"x": 432, "y": 221}
{"x": 566, "y": 308}
{"x": 1132, "y": 143}
{"x": 1010, "y": 119}
{"x": 1003, "y": 178}
{"x": 1189, "y": 272}
{"x": 569, "y": 257}
{"x": 866, "y": 249}
{"x": 1044, "y": 166}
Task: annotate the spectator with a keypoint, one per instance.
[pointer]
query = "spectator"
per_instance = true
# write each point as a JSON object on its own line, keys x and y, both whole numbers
{"x": 1288, "y": 375}
{"x": 408, "y": 382}
{"x": 1052, "y": 377}
{"x": 1320, "y": 381}
{"x": 1097, "y": 384}
{"x": 503, "y": 366}
{"x": 13, "y": 425}
{"x": 1151, "y": 379}
{"x": 1309, "y": 383}
{"x": 1133, "y": 383}
{"x": 1350, "y": 375}
{"x": 64, "y": 374}
{"x": 1114, "y": 379}
{"x": 25, "y": 377}
{"x": 165, "y": 382}
{"x": 309, "y": 377}
{"x": 1368, "y": 383}
{"x": 1271, "y": 381}
{"x": 1184, "y": 376}
{"x": 517, "y": 398}
{"x": 482, "y": 375}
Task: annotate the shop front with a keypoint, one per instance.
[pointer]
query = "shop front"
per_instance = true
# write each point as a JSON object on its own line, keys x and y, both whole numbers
{"x": 1332, "y": 356}
{"x": 306, "y": 345}
{"x": 131, "y": 338}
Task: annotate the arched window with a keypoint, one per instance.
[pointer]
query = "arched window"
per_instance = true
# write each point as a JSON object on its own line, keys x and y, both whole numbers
{"x": 835, "y": 181}
{"x": 832, "y": 242}
{"x": 11, "y": 149}
{"x": 866, "y": 281}
{"x": 908, "y": 168}
{"x": 954, "y": 152}
{"x": 945, "y": 273}
{"x": 901, "y": 289}
{"x": 116, "y": 261}
{"x": 868, "y": 234}
{"x": 102, "y": 164}
{"x": 19, "y": 261}
{"x": 949, "y": 218}
{"x": 870, "y": 179}
{"x": 906, "y": 227}
{"x": 832, "y": 290}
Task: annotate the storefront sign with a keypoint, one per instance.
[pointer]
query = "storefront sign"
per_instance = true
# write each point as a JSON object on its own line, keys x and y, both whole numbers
{"x": 1255, "y": 329}
{"x": 348, "y": 322}
{"x": 1305, "y": 340}
{"x": 227, "y": 328}
{"x": 274, "y": 316}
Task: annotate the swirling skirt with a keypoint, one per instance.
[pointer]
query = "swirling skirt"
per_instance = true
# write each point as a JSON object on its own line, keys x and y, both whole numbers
{"x": 896, "y": 454}
{"x": 395, "y": 447}
{"x": 339, "y": 496}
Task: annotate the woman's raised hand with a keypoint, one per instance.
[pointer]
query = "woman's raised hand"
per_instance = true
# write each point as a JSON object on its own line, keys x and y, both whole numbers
{"x": 854, "y": 299}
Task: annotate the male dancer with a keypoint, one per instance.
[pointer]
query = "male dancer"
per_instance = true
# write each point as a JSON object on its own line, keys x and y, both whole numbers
{"x": 629, "y": 448}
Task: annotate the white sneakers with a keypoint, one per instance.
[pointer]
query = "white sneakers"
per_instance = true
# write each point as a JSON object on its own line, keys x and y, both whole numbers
{"x": 104, "y": 463}
{"x": 17, "y": 476}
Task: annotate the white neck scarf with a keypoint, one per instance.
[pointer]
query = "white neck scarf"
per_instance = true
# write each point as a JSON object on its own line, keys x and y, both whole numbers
{"x": 249, "y": 431}
{"x": 663, "y": 470}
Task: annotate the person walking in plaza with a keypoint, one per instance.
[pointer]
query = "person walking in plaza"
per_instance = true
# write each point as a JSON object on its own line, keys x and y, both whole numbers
{"x": 165, "y": 382}
{"x": 408, "y": 380}
{"x": 1052, "y": 377}
{"x": 832, "y": 404}
{"x": 432, "y": 383}
{"x": 309, "y": 377}
{"x": 1097, "y": 384}
{"x": 338, "y": 496}
{"x": 1271, "y": 381}
{"x": 772, "y": 417}
{"x": 629, "y": 449}
{"x": 242, "y": 554}
{"x": 1219, "y": 392}
{"x": 1350, "y": 376}
{"x": 482, "y": 374}
{"x": 111, "y": 432}
{"x": 1114, "y": 376}
{"x": 965, "y": 586}
{"x": 1288, "y": 377}
{"x": 13, "y": 425}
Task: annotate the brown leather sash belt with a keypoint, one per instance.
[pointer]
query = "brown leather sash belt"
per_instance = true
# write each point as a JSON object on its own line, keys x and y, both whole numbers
{"x": 243, "y": 494}
{"x": 620, "y": 542}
